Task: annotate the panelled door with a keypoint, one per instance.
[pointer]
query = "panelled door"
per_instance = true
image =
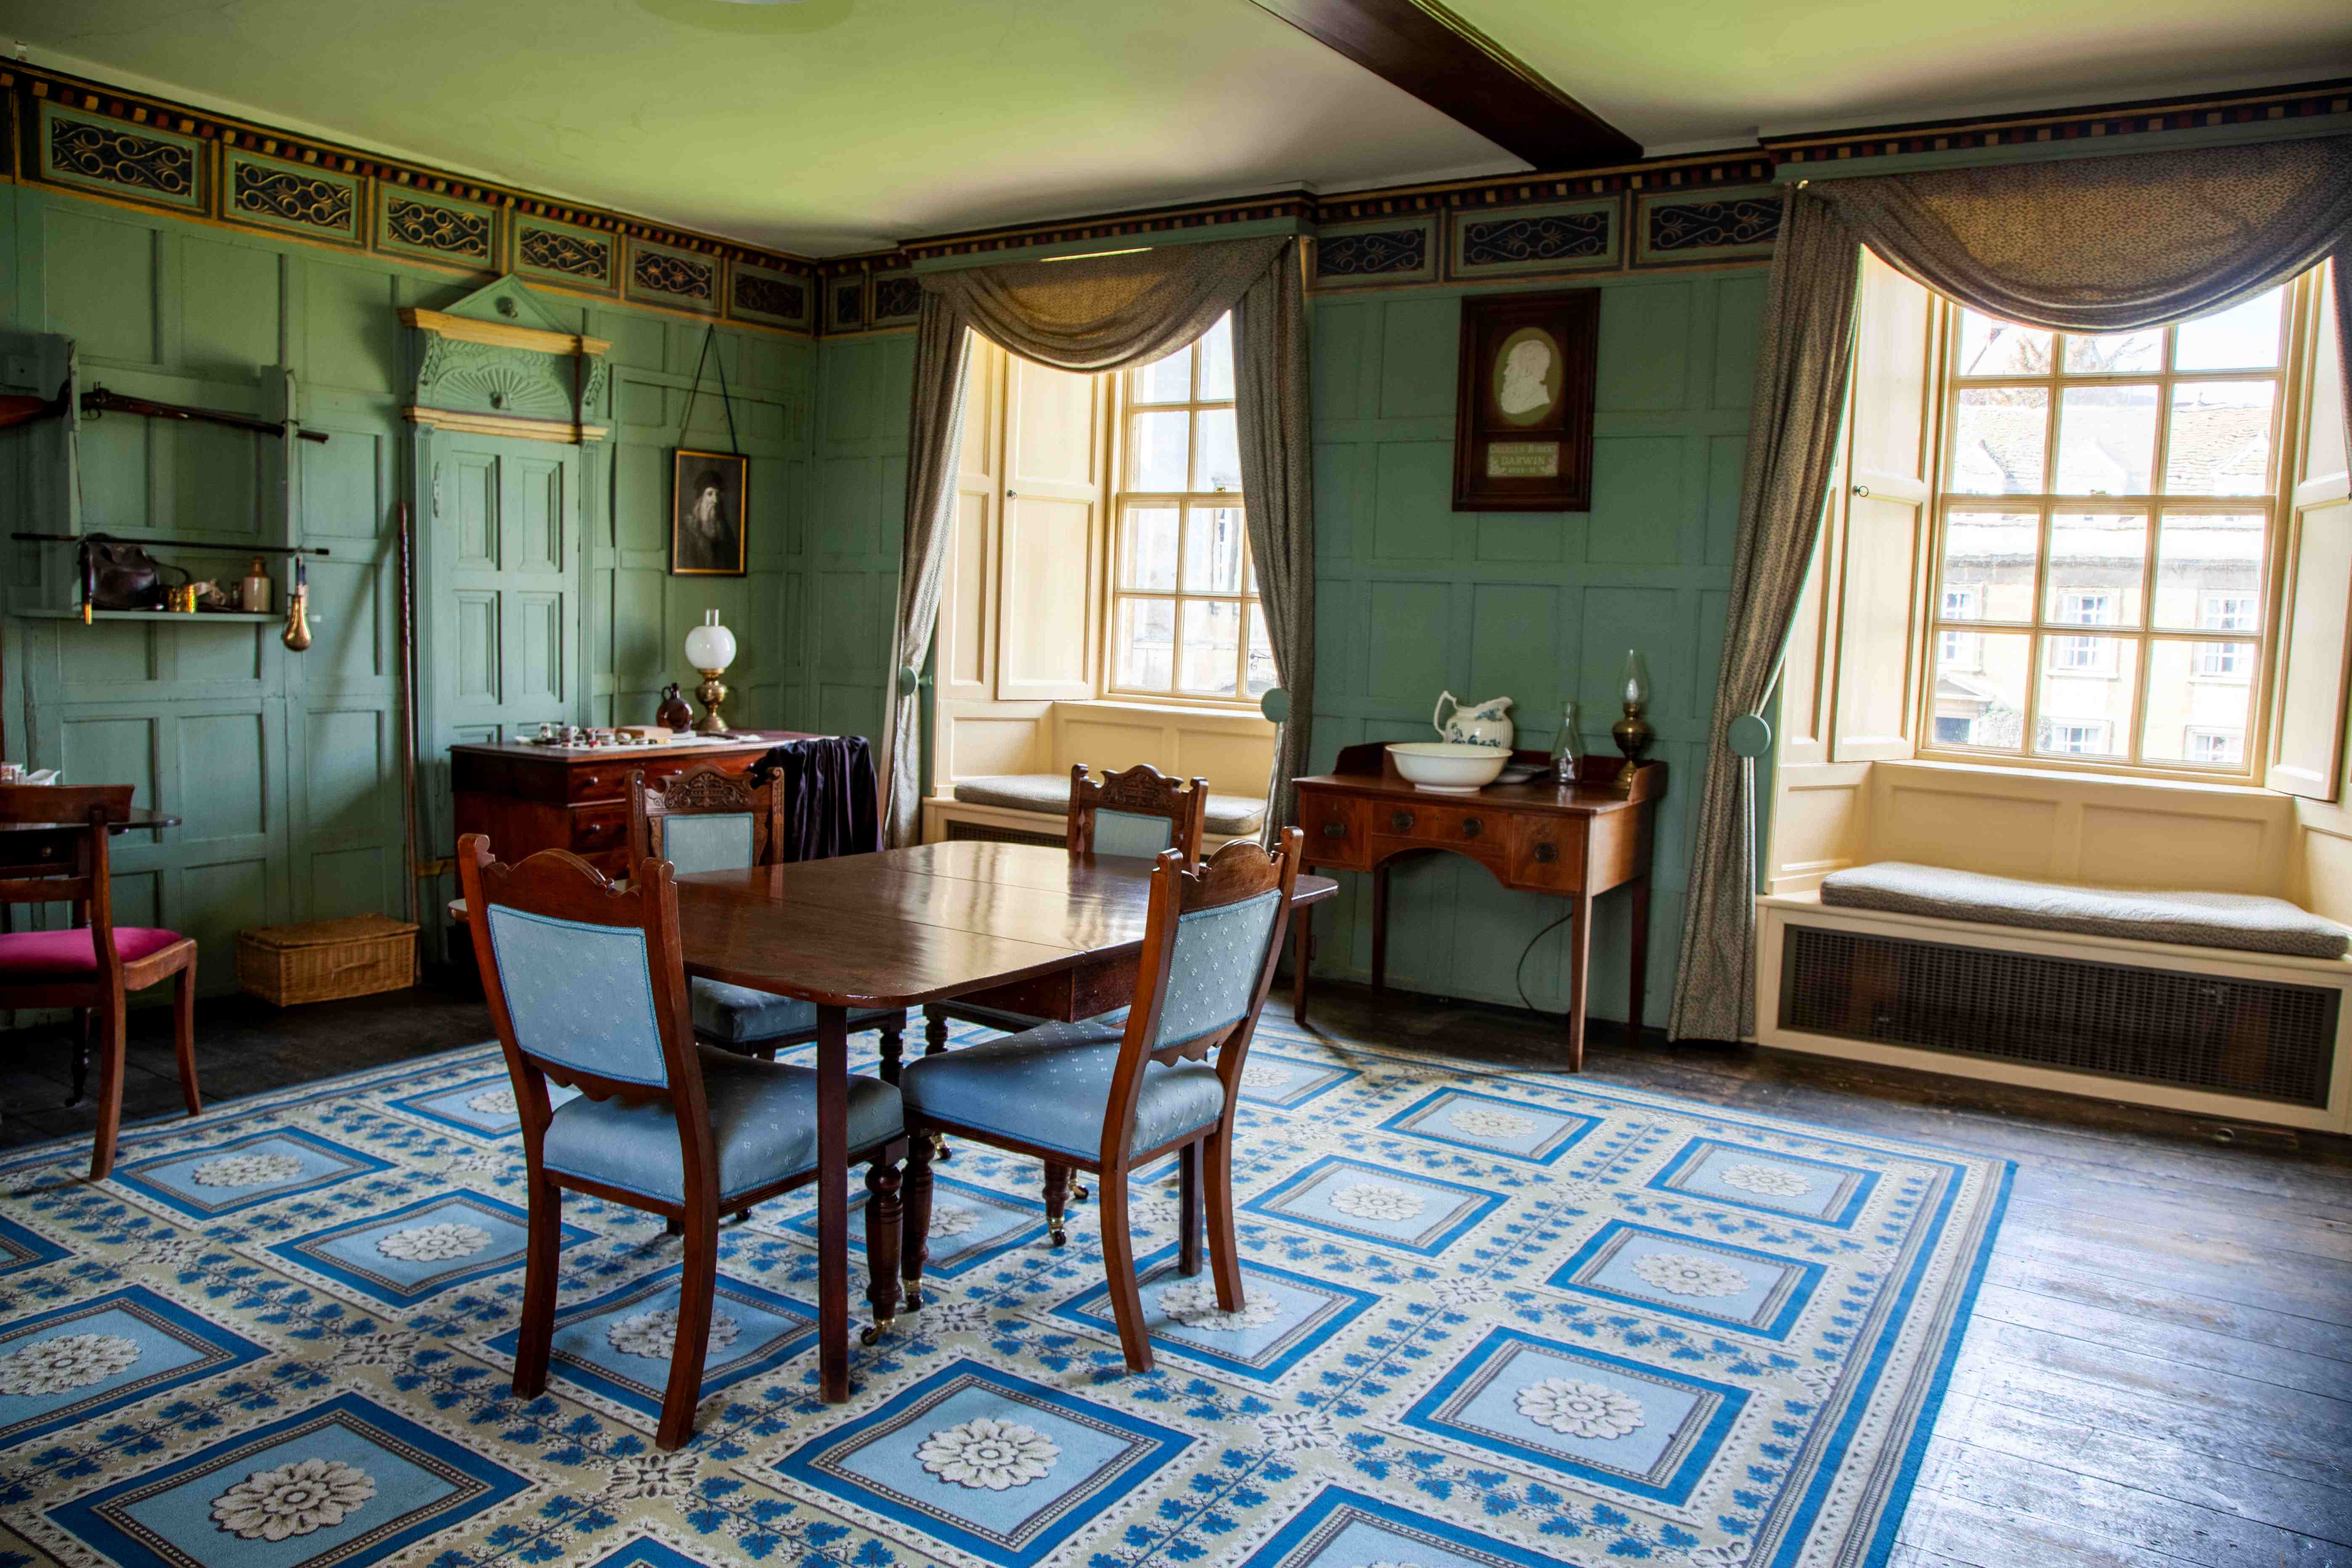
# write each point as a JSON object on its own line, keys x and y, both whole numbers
{"x": 500, "y": 625}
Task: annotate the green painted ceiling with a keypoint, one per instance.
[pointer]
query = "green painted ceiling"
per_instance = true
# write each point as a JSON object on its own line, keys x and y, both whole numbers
{"x": 825, "y": 126}
{"x": 1686, "y": 75}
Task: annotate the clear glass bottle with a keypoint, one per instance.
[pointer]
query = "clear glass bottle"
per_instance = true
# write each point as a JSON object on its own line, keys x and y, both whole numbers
{"x": 1568, "y": 750}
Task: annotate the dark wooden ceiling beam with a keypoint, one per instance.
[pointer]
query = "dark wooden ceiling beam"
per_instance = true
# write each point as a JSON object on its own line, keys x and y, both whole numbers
{"x": 1430, "y": 53}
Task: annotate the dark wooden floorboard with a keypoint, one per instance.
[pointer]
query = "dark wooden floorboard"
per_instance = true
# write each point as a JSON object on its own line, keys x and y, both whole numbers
{"x": 2160, "y": 1371}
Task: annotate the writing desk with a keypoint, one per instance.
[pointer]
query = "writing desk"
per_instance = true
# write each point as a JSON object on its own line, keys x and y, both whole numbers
{"x": 1575, "y": 842}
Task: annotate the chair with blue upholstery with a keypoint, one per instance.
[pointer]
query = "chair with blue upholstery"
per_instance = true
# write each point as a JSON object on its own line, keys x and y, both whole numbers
{"x": 707, "y": 819}
{"x": 587, "y": 985}
{"x": 1109, "y": 1097}
{"x": 1137, "y": 813}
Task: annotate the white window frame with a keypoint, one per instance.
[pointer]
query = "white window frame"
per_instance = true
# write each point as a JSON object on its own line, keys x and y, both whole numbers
{"x": 1125, "y": 502}
{"x": 2043, "y": 627}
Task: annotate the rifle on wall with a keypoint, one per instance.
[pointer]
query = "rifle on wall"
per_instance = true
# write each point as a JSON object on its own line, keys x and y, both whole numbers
{"x": 97, "y": 400}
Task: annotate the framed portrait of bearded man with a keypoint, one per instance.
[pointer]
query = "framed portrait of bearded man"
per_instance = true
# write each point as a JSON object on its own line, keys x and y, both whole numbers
{"x": 1523, "y": 409}
{"x": 708, "y": 513}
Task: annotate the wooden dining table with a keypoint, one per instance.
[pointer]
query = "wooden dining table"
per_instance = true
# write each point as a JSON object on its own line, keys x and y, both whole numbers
{"x": 905, "y": 927}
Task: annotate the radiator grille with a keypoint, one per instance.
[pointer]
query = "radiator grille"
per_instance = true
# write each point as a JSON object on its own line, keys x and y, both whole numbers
{"x": 989, "y": 833}
{"x": 2254, "y": 1037}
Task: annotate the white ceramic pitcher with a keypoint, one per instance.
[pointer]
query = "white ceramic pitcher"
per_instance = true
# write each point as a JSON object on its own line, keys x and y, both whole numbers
{"x": 1487, "y": 723}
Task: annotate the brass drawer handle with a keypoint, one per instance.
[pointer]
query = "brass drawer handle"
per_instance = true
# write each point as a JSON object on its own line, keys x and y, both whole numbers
{"x": 1546, "y": 853}
{"x": 1401, "y": 821}
{"x": 1334, "y": 828}
{"x": 1471, "y": 827}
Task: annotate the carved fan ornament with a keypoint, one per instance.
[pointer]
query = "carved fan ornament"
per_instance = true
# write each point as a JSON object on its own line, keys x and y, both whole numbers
{"x": 706, "y": 792}
{"x": 498, "y": 364}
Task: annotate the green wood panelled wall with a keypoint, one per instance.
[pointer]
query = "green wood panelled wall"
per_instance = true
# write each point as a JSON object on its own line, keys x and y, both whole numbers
{"x": 849, "y": 553}
{"x": 285, "y": 766}
{"x": 1412, "y": 598}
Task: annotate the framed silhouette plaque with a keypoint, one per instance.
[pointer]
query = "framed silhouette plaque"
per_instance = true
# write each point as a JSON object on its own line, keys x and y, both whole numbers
{"x": 1523, "y": 410}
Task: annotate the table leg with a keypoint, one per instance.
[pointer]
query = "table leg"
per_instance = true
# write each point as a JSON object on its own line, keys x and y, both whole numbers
{"x": 1641, "y": 959}
{"x": 1302, "y": 954}
{"x": 1580, "y": 961}
{"x": 832, "y": 1202}
{"x": 1381, "y": 926}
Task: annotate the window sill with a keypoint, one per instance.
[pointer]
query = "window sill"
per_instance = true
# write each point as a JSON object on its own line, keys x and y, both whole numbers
{"x": 2060, "y": 774}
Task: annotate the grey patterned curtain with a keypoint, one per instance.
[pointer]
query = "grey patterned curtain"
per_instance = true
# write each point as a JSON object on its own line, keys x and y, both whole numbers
{"x": 1104, "y": 313}
{"x": 1272, "y": 372}
{"x": 2086, "y": 245}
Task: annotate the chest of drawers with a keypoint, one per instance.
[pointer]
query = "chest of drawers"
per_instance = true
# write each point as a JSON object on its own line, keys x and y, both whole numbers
{"x": 529, "y": 798}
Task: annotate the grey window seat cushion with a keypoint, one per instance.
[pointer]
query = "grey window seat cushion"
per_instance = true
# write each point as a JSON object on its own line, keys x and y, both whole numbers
{"x": 2244, "y": 921}
{"x": 1050, "y": 793}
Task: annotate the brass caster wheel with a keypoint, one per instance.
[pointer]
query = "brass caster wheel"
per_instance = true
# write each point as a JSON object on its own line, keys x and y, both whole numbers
{"x": 872, "y": 1333}
{"x": 914, "y": 1302}
{"x": 1058, "y": 1236}
{"x": 940, "y": 1150}
{"x": 1078, "y": 1191}
{"x": 742, "y": 1216}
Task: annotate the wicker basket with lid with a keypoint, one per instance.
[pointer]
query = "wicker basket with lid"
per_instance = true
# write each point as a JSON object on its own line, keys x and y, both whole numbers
{"x": 322, "y": 961}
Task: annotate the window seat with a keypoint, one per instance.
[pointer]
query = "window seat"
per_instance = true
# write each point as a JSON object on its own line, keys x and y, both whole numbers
{"x": 1048, "y": 795}
{"x": 2242, "y": 923}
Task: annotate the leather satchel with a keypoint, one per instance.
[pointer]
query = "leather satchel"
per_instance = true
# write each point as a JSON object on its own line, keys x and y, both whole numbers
{"x": 117, "y": 575}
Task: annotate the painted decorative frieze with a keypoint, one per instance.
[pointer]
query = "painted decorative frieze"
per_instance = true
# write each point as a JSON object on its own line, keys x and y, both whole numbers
{"x": 1560, "y": 237}
{"x": 896, "y": 300}
{"x": 439, "y": 228}
{"x": 665, "y": 277}
{"x": 108, "y": 156}
{"x": 1679, "y": 229}
{"x": 844, "y": 302}
{"x": 1353, "y": 256}
{"x": 564, "y": 255}
{"x": 278, "y": 194}
{"x": 762, "y": 295}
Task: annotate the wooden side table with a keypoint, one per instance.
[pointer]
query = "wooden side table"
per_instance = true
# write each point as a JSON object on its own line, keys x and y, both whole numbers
{"x": 1575, "y": 842}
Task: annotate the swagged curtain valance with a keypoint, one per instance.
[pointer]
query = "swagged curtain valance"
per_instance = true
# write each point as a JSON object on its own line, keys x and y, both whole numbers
{"x": 2086, "y": 245}
{"x": 1105, "y": 313}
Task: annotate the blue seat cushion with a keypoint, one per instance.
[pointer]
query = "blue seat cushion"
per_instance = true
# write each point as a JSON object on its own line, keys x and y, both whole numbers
{"x": 1050, "y": 1087}
{"x": 739, "y": 1015}
{"x": 763, "y": 1124}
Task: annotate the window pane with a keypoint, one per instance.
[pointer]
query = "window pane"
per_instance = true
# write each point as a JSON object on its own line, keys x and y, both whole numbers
{"x": 1211, "y": 647}
{"x": 2001, "y": 348}
{"x": 1166, "y": 380}
{"x": 2094, "y": 569}
{"x": 1998, "y": 439}
{"x": 2106, "y": 440}
{"x": 2208, "y": 572}
{"x": 2198, "y": 696}
{"x": 1212, "y": 550}
{"x": 1157, "y": 459}
{"x": 2220, "y": 438}
{"x": 1980, "y": 694}
{"x": 1217, "y": 361}
{"x": 2116, "y": 352}
{"x": 2244, "y": 337}
{"x": 1217, "y": 461}
{"x": 1146, "y": 643}
{"x": 1148, "y": 560}
{"x": 1988, "y": 566}
{"x": 1261, "y": 655}
{"x": 2087, "y": 696}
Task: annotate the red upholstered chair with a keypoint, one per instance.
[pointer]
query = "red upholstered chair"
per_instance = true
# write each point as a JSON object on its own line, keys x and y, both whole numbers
{"x": 93, "y": 965}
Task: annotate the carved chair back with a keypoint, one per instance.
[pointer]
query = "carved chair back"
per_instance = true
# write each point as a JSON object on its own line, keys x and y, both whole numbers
{"x": 1209, "y": 941}
{"x": 87, "y": 884}
{"x": 705, "y": 819}
{"x": 586, "y": 983}
{"x": 1137, "y": 813}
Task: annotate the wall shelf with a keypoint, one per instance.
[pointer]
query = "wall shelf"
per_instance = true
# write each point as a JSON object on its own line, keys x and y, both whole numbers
{"x": 248, "y": 617}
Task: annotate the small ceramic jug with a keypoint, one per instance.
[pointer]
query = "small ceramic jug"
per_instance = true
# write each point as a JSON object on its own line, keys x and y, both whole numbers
{"x": 674, "y": 712}
{"x": 1487, "y": 723}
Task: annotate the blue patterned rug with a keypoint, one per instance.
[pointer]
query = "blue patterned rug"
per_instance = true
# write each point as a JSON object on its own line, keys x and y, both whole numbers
{"x": 1494, "y": 1321}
